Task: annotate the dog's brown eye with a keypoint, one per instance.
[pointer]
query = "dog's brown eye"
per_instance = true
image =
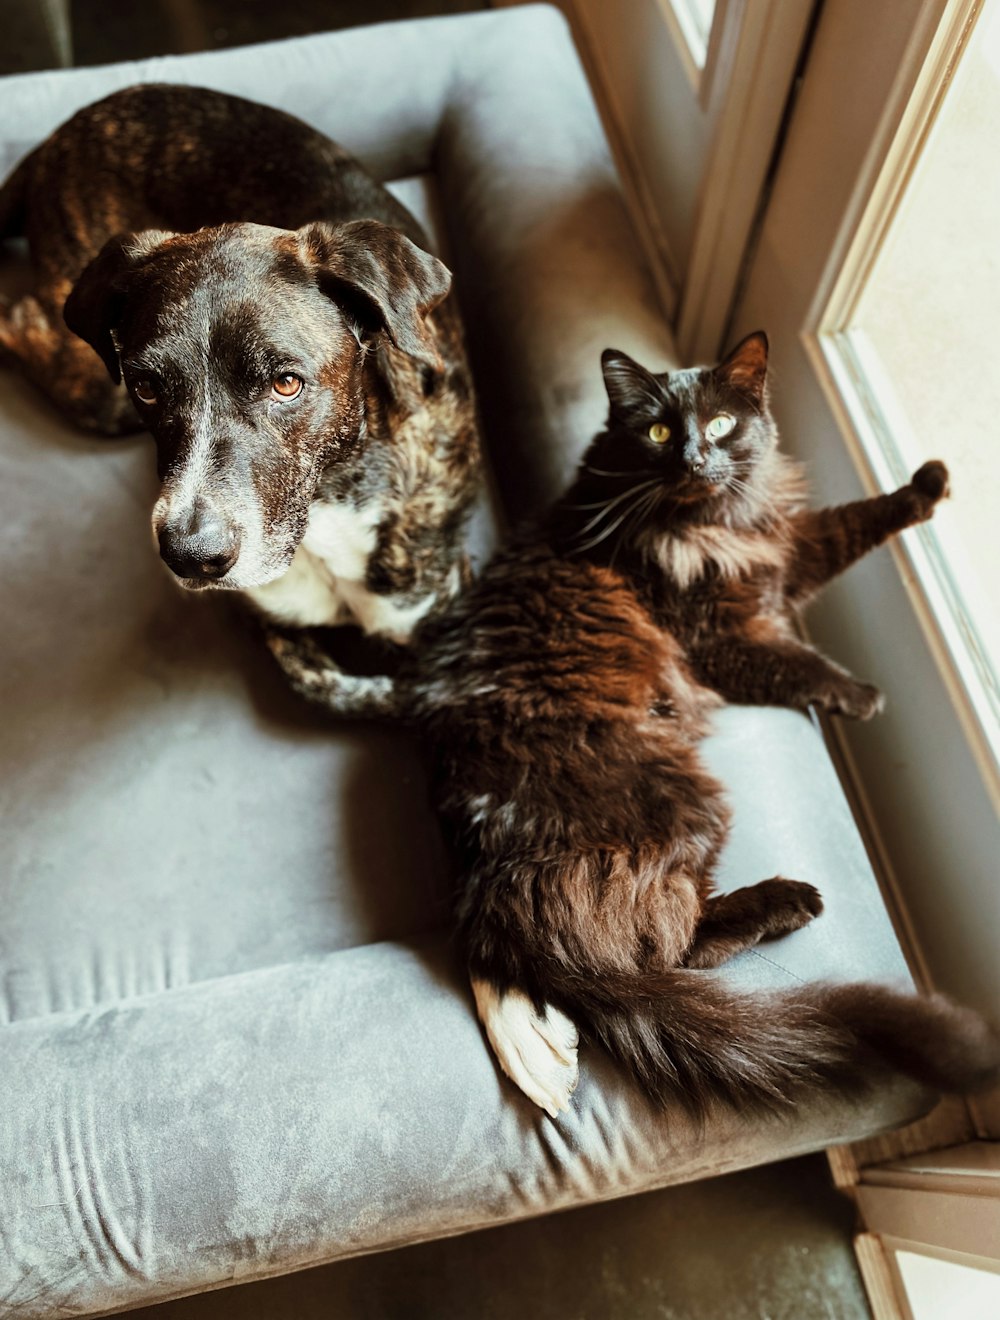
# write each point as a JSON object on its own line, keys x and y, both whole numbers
{"x": 144, "y": 389}
{"x": 286, "y": 386}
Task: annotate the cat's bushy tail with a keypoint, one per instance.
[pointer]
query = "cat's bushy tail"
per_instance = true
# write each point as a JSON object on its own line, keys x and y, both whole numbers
{"x": 685, "y": 1036}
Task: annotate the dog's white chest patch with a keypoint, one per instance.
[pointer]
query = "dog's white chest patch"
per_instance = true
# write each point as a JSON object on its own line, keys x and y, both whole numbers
{"x": 334, "y": 552}
{"x": 325, "y": 582}
{"x": 342, "y": 538}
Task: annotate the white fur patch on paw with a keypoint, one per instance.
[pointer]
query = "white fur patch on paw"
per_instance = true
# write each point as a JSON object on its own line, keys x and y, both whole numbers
{"x": 536, "y": 1051}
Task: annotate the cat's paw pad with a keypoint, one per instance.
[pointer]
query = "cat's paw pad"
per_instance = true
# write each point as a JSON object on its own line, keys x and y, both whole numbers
{"x": 537, "y": 1051}
{"x": 792, "y": 904}
{"x": 858, "y": 701}
{"x": 931, "y": 480}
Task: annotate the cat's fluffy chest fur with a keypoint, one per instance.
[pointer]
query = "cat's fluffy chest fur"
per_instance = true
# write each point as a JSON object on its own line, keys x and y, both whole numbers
{"x": 708, "y": 581}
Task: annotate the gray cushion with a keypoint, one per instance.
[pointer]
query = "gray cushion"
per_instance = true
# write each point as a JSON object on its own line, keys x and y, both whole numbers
{"x": 234, "y": 1042}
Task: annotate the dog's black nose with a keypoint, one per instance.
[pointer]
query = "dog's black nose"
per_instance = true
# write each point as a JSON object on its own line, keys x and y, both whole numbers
{"x": 199, "y": 543}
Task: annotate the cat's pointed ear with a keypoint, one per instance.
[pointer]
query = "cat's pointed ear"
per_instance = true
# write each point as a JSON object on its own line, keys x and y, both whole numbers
{"x": 745, "y": 368}
{"x": 629, "y": 386}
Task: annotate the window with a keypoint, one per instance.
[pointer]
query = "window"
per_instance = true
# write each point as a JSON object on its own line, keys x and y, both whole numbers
{"x": 910, "y": 336}
{"x": 694, "y": 18}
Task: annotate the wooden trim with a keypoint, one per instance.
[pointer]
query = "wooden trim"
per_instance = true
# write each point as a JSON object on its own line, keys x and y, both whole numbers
{"x": 641, "y": 208}
{"x": 714, "y": 59}
{"x": 976, "y": 1160}
{"x": 843, "y": 1168}
{"x": 742, "y": 93}
{"x": 879, "y": 1280}
{"x": 694, "y": 72}
{"x": 758, "y": 53}
{"x": 950, "y": 1220}
{"x": 949, "y": 1124}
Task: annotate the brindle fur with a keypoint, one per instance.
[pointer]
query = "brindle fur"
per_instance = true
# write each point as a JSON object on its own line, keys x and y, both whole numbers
{"x": 212, "y": 237}
{"x": 563, "y": 700}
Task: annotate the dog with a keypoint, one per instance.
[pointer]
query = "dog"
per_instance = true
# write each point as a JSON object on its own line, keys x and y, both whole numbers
{"x": 226, "y": 277}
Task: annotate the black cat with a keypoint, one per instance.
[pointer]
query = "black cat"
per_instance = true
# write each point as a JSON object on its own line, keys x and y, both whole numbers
{"x": 562, "y": 700}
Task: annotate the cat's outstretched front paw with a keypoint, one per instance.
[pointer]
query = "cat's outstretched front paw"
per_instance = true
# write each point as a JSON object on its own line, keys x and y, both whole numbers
{"x": 928, "y": 486}
{"x": 858, "y": 701}
{"x": 536, "y": 1050}
{"x": 931, "y": 480}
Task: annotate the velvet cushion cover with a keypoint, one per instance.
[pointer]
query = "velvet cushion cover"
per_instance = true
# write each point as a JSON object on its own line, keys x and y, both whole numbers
{"x": 233, "y": 1041}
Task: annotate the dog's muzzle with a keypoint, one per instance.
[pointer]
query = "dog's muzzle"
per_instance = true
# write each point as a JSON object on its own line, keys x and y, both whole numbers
{"x": 198, "y": 543}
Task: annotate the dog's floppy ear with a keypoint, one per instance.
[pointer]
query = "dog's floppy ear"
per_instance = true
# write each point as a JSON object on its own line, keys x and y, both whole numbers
{"x": 390, "y": 282}
{"x": 96, "y": 302}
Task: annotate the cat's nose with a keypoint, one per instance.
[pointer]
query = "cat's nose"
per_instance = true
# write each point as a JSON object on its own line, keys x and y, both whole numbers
{"x": 697, "y": 462}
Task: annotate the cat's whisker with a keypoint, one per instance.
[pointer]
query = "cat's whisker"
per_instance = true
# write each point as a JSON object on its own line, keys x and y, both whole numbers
{"x": 610, "y": 505}
{"x": 635, "y": 472}
{"x": 601, "y": 536}
{"x": 736, "y": 483}
{"x": 605, "y": 503}
{"x": 613, "y": 527}
{"x": 639, "y": 515}
{"x": 606, "y": 509}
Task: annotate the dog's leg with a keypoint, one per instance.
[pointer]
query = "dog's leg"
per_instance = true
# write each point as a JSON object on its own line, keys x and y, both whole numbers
{"x": 315, "y": 676}
{"x": 737, "y": 921}
{"x": 537, "y": 1051}
{"x": 65, "y": 368}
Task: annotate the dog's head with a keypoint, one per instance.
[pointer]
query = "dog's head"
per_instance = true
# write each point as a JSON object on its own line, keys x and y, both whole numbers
{"x": 243, "y": 348}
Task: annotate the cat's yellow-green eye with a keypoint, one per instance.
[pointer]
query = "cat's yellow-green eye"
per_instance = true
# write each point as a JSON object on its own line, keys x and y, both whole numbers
{"x": 659, "y": 433}
{"x": 720, "y": 426}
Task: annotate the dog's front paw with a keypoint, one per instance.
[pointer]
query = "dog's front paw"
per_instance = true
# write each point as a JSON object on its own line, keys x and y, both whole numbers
{"x": 537, "y": 1051}
{"x": 315, "y": 675}
{"x": 857, "y": 701}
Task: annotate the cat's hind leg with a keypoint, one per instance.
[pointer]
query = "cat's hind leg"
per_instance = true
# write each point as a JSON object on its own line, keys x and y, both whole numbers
{"x": 537, "y": 1051}
{"x": 737, "y": 921}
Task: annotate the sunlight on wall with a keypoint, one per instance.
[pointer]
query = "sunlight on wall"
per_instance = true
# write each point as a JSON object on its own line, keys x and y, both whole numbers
{"x": 941, "y": 1290}
{"x": 926, "y": 324}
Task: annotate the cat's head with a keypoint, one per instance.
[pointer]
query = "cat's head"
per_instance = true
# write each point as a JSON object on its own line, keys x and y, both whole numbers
{"x": 702, "y": 432}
